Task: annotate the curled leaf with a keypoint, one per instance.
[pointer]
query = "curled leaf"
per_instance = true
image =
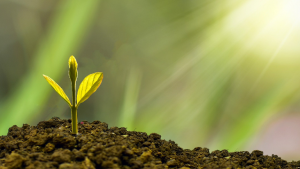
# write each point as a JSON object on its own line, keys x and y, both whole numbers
{"x": 58, "y": 89}
{"x": 88, "y": 86}
{"x": 73, "y": 69}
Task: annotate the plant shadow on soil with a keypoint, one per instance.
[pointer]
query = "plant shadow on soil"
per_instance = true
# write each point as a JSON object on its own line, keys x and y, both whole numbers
{"x": 51, "y": 145}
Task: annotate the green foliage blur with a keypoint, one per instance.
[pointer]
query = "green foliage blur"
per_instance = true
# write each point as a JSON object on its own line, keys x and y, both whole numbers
{"x": 202, "y": 73}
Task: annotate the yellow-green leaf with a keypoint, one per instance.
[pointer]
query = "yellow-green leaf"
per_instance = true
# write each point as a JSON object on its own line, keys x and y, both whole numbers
{"x": 73, "y": 69}
{"x": 88, "y": 86}
{"x": 58, "y": 89}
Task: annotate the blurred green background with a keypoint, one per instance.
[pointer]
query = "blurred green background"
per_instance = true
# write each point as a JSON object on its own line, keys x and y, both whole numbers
{"x": 219, "y": 74}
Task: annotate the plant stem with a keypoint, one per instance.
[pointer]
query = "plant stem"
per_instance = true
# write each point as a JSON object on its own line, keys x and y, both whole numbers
{"x": 74, "y": 120}
{"x": 74, "y": 109}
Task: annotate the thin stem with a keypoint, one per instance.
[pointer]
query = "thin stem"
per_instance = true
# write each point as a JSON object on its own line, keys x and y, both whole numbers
{"x": 74, "y": 110}
{"x": 74, "y": 120}
{"x": 74, "y": 93}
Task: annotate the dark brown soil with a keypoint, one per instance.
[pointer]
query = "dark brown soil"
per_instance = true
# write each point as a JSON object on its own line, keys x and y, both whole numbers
{"x": 50, "y": 145}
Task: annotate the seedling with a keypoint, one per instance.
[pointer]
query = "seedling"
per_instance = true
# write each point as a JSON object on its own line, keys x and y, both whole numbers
{"x": 87, "y": 87}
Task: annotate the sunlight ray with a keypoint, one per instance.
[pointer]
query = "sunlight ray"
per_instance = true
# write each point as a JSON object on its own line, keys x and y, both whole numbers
{"x": 271, "y": 59}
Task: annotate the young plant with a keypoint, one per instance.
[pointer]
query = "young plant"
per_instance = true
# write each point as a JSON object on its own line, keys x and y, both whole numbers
{"x": 87, "y": 87}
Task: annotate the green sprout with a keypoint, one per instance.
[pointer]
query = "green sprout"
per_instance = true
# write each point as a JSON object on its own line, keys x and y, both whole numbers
{"x": 87, "y": 87}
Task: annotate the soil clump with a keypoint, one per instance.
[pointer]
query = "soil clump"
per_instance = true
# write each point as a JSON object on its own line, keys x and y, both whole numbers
{"x": 50, "y": 145}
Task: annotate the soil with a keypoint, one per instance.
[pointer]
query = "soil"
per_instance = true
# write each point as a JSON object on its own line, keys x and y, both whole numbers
{"x": 51, "y": 145}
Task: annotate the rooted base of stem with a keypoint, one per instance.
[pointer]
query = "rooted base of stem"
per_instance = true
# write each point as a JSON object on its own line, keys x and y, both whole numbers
{"x": 74, "y": 120}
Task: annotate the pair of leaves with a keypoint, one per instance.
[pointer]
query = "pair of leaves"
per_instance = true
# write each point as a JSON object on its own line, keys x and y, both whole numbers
{"x": 87, "y": 87}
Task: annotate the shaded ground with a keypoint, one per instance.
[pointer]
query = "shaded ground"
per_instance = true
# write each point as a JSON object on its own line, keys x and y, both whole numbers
{"x": 50, "y": 145}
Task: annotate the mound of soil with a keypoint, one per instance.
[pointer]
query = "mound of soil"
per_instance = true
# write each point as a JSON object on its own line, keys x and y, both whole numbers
{"x": 50, "y": 144}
